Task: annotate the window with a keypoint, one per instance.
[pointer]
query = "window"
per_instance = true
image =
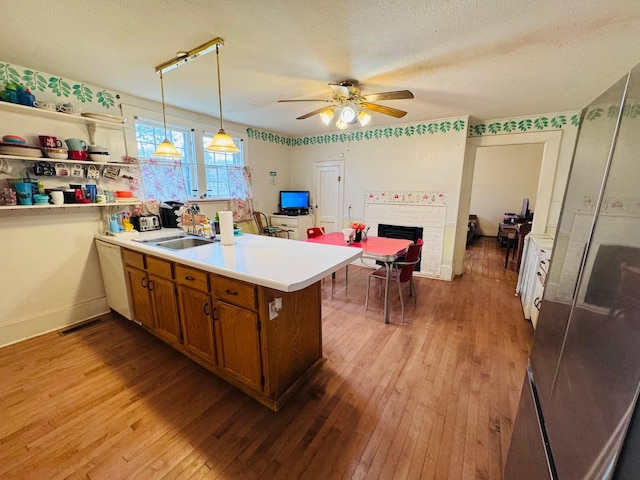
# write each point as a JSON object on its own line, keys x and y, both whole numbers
{"x": 150, "y": 134}
{"x": 216, "y": 168}
{"x": 210, "y": 178}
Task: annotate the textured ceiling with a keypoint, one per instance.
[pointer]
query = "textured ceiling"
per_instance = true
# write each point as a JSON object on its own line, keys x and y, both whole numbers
{"x": 484, "y": 58}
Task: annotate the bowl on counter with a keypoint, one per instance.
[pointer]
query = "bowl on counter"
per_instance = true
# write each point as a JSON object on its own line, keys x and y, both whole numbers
{"x": 40, "y": 198}
{"x": 124, "y": 193}
{"x": 100, "y": 157}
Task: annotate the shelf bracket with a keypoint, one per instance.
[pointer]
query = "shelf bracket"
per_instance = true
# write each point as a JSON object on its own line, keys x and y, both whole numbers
{"x": 92, "y": 127}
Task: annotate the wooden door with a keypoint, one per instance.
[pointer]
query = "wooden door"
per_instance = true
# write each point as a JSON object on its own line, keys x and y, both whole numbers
{"x": 140, "y": 302}
{"x": 197, "y": 323}
{"x": 238, "y": 344}
{"x": 165, "y": 308}
{"x": 328, "y": 191}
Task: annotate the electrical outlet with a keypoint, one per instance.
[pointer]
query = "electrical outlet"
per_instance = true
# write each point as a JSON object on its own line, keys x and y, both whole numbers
{"x": 273, "y": 312}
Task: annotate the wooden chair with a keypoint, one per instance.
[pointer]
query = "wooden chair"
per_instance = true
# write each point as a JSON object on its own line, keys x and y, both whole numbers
{"x": 401, "y": 272}
{"x": 264, "y": 227}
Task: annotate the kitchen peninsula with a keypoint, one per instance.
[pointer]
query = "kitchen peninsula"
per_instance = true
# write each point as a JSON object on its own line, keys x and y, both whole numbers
{"x": 250, "y": 312}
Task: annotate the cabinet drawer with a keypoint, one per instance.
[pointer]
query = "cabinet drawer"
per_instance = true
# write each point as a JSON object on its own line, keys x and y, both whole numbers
{"x": 233, "y": 291}
{"x": 192, "y": 277}
{"x": 159, "y": 267}
{"x": 134, "y": 259}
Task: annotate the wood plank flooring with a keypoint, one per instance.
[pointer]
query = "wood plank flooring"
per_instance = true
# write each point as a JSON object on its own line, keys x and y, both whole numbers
{"x": 432, "y": 398}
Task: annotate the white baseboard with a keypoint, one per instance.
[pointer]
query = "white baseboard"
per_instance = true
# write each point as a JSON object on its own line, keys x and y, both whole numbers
{"x": 43, "y": 322}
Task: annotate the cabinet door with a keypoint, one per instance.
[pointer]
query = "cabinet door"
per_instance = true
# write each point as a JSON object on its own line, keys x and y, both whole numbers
{"x": 140, "y": 302}
{"x": 238, "y": 343}
{"x": 197, "y": 323}
{"x": 165, "y": 308}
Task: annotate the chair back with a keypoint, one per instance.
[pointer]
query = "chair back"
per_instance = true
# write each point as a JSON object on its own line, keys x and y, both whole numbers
{"x": 315, "y": 232}
{"x": 410, "y": 259}
{"x": 261, "y": 221}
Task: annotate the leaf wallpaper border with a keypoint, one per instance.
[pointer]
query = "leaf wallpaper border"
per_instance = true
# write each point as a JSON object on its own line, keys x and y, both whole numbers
{"x": 429, "y": 128}
{"x": 55, "y": 86}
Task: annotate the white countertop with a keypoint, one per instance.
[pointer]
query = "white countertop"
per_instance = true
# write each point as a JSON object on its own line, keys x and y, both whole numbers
{"x": 279, "y": 263}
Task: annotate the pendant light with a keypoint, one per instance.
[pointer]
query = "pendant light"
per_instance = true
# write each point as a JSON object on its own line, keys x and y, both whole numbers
{"x": 166, "y": 148}
{"x": 221, "y": 142}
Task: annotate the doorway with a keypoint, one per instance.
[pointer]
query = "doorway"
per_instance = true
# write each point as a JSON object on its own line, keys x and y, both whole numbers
{"x": 328, "y": 192}
{"x": 503, "y": 176}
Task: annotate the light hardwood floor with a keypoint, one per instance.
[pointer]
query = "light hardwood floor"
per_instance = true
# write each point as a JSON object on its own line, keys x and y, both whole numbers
{"x": 432, "y": 398}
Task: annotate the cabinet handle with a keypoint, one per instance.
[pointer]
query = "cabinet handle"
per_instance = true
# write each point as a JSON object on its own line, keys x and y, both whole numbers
{"x": 150, "y": 283}
{"x": 213, "y": 314}
{"x": 205, "y": 308}
{"x": 144, "y": 282}
{"x": 539, "y": 274}
{"x": 230, "y": 292}
{"x": 190, "y": 278}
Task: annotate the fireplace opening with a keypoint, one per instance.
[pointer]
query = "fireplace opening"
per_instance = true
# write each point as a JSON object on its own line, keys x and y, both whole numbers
{"x": 400, "y": 231}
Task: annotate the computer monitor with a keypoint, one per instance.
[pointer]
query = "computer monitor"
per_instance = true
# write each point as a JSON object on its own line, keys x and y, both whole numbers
{"x": 294, "y": 201}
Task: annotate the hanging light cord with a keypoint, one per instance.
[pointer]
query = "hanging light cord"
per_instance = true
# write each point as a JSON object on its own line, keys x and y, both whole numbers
{"x": 164, "y": 117}
{"x": 219, "y": 87}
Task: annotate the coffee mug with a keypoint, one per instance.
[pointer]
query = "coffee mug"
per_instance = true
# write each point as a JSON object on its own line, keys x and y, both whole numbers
{"x": 77, "y": 171}
{"x": 93, "y": 173}
{"x": 62, "y": 170}
{"x": 47, "y": 141}
{"x": 76, "y": 144}
{"x": 77, "y": 154}
{"x": 45, "y": 105}
{"x": 44, "y": 168}
{"x": 57, "y": 197}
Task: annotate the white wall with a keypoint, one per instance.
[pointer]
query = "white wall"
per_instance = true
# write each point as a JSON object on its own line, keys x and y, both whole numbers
{"x": 502, "y": 177}
{"x": 427, "y": 162}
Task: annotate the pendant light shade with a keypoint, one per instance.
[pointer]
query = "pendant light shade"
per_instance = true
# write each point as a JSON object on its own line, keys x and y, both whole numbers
{"x": 222, "y": 142}
{"x": 166, "y": 148}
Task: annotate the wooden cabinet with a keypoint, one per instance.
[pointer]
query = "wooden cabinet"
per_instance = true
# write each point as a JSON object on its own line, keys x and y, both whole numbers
{"x": 237, "y": 330}
{"x": 162, "y": 292}
{"x": 224, "y": 325}
{"x": 196, "y": 313}
{"x": 295, "y": 225}
{"x": 152, "y": 294}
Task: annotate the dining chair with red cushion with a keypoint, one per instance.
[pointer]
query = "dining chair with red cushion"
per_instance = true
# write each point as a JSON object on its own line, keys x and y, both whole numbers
{"x": 401, "y": 272}
{"x": 315, "y": 232}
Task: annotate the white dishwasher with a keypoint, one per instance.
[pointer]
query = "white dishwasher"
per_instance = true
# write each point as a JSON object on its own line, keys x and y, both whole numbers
{"x": 114, "y": 279}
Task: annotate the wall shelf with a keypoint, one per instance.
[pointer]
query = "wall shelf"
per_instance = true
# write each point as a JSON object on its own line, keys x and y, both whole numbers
{"x": 66, "y": 117}
{"x": 65, "y": 160}
{"x": 46, "y": 206}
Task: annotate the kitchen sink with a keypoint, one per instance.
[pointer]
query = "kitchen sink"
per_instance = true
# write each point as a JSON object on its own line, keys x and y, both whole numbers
{"x": 161, "y": 239}
{"x": 181, "y": 243}
{"x": 176, "y": 242}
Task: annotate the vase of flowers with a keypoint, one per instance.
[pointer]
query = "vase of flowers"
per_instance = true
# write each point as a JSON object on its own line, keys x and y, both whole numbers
{"x": 358, "y": 229}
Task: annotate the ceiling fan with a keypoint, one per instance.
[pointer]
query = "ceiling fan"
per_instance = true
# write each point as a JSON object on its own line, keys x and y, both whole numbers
{"x": 352, "y": 104}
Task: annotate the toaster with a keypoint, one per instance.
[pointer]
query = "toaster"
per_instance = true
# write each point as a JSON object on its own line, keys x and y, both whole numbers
{"x": 146, "y": 223}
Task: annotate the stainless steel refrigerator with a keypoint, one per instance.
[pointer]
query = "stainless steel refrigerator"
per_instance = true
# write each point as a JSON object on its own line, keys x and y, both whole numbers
{"x": 578, "y": 416}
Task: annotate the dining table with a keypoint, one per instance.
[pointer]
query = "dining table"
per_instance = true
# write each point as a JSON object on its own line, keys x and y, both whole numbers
{"x": 383, "y": 249}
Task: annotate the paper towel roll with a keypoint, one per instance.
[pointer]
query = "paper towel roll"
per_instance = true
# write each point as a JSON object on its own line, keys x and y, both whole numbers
{"x": 226, "y": 227}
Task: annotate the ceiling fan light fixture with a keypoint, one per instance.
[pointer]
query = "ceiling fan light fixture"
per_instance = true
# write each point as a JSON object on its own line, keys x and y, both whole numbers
{"x": 364, "y": 118}
{"x": 327, "y": 115}
{"x": 222, "y": 142}
{"x": 348, "y": 114}
{"x": 341, "y": 124}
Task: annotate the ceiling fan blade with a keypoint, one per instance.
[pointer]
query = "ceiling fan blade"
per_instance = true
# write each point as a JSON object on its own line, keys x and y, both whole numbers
{"x": 311, "y": 114}
{"x": 312, "y": 100}
{"x": 396, "y": 95}
{"x": 394, "y": 112}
